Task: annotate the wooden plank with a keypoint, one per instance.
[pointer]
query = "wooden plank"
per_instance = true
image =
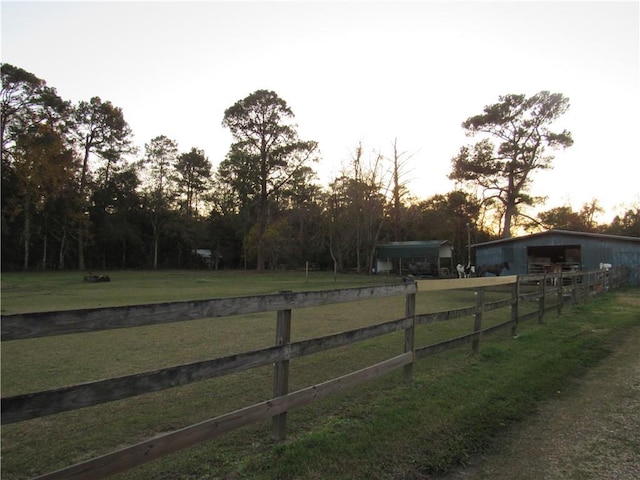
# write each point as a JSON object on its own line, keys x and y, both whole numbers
{"x": 462, "y": 283}
{"x": 515, "y": 306}
{"x": 281, "y": 373}
{"x": 457, "y": 341}
{"x": 443, "y": 346}
{"x": 495, "y": 328}
{"x": 541, "y": 299}
{"x": 426, "y": 318}
{"x": 477, "y": 320}
{"x": 529, "y": 296}
{"x": 38, "y": 404}
{"x": 528, "y": 316}
{"x": 410, "y": 333}
{"x": 166, "y": 444}
{"x": 498, "y": 304}
{"x": 40, "y": 324}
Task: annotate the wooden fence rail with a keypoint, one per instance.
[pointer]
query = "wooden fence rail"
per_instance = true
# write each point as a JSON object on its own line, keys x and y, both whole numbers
{"x": 549, "y": 291}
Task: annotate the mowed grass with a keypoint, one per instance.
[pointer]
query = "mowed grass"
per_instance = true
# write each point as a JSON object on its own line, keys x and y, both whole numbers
{"x": 385, "y": 429}
{"x": 32, "y": 292}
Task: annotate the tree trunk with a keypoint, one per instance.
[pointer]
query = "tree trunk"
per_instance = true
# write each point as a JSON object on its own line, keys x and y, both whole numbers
{"x": 260, "y": 260}
{"x": 26, "y": 234}
{"x": 124, "y": 253}
{"x": 396, "y": 192}
{"x": 510, "y": 206}
{"x": 508, "y": 218}
{"x": 80, "y": 249}
{"x": 83, "y": 184}
{"x": 63, "y": 243}
{"x": 263, "y": 211}
{"x": 155, "y": 247}
{"x": 44, "y": 248}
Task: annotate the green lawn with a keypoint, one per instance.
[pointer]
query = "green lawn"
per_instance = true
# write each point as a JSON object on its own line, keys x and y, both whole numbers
{"x": 30, "y": 292}
{"x": 379, "y": 430}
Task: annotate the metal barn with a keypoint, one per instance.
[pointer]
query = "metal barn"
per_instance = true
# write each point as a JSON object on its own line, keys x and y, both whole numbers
{"x": 431, "y": 257}
{"x": 573, "y": 250}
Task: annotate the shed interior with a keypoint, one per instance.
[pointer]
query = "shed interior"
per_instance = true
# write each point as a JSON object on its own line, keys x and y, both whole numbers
{"x": 420, "y": 258}
{"x": 569, "y": 256}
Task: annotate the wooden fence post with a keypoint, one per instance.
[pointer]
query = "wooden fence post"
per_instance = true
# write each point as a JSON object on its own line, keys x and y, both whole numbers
{"x": 410, "y": 334}
{"x": 477, "y": 323}
{"x": 541, "y": 299}
{"x": 515, "y": 306}
{"x": 559, "y": 293}
{"x": 281, "y": 373}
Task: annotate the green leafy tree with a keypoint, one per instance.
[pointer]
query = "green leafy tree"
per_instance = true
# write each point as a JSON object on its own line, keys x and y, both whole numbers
{"x": 227, "y": 228}
{"x": 159, "y": 190}
{"x": 116, "y": 216}
{"x": 503, "y": 172}
{"x": 265, "y": 156}
{"x": 36, "y": 160}
{"x": 43, "y": 166}
{"x": 565, "y": 218}
{"x": 26, "y": 102}
{"x": 627, "y": 224}
{"x": 193, "y": 171}
{"x": 358, "y": 209}
{"x": 588, "y": 213}
{"x": 452, "y": 216}
{"x": 302, "y": 207}
{"x": 101, "y": 130}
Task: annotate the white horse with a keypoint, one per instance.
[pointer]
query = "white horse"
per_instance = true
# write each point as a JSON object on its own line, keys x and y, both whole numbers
{"x": 465, "y": 272}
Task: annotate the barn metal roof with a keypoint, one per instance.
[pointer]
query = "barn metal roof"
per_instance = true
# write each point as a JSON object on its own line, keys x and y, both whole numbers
{"x": 411, "y": 249}
{"x": 555, "y": 231}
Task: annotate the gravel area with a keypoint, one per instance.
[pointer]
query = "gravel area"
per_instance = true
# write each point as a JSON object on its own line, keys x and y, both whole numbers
{"x": 592, "y": 432}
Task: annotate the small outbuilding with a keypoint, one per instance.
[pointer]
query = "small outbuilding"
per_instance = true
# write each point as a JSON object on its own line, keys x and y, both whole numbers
{"x": 571, "y": 250}
{"x": 430, "y": 257}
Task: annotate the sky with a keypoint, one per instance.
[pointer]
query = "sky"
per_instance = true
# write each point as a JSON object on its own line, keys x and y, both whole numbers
{"x": 355, "y": 72}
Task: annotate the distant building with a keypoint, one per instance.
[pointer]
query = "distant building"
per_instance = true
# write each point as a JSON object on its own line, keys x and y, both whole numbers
{"x": 431, "y": 257}
{"x": 572, "y": 250}
{"x": 207, "y": 256}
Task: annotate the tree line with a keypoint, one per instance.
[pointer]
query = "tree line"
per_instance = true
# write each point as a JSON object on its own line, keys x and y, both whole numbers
{"x": 77, "y": 194}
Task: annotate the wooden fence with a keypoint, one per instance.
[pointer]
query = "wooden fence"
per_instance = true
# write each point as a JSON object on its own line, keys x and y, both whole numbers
{"x": 549, "y": 291}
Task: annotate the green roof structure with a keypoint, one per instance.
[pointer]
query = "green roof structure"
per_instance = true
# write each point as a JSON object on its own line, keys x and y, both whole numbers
{"x": 428, "y": 257}
{"x": 428, "y": 248}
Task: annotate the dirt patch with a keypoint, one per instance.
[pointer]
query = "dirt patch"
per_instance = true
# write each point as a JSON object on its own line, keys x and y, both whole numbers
{"x": 592, "y": 432}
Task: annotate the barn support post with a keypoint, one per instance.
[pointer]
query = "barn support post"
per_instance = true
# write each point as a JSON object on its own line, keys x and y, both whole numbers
{"x": 515, "y": 306}
{"x": 410, "y": 334}
{"x": 574, "y": 288}
{"x": 281, "y": 372}
{"x": 477, "y": 321}
{"x": 541, "y": 298}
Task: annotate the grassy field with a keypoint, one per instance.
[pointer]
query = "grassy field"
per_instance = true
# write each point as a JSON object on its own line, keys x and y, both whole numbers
{"x": 385, "y": 429}
{"x": 30, "y": 292}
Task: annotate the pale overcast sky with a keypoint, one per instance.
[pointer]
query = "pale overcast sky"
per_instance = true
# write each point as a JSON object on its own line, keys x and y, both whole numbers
{"x": 355, "y": 71}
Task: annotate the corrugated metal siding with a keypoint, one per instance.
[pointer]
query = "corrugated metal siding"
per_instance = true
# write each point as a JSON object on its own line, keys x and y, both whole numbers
{"x": 432, "y": 248}
{"x": 594, "y": 249}
{"x": 503, "y": 253}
